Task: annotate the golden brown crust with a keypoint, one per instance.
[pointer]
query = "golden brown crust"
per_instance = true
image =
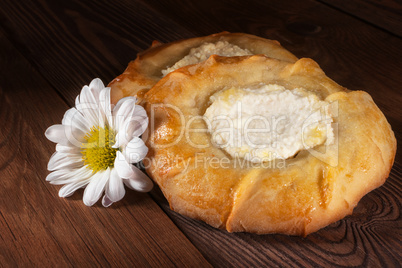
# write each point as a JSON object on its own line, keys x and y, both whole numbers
{"x": 297, "y": 196}
{"x": 146, "y": 70}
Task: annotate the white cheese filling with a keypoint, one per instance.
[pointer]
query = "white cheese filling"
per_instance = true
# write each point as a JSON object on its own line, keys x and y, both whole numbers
{"x": 269, "y": 122}
{"x": 203, "y": 52}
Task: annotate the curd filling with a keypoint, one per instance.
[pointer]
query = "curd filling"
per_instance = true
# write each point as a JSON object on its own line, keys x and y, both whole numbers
{"x": 203, "y": 52}
{"x": 269, "y": 122}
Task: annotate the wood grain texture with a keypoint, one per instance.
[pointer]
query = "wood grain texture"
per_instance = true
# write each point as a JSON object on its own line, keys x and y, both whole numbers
{"x": 67, "y": 43}
{"x": 98, "y": 38}
{"x": 385, "y": 14}
{"x": 37, "y": 228}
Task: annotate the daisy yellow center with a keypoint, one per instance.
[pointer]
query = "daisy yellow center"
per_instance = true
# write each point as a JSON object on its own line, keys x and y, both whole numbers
{"x": 97, "y": 152}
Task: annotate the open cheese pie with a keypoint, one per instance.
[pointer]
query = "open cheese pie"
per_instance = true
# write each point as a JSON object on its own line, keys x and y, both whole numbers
{"x": 257, "y": 143}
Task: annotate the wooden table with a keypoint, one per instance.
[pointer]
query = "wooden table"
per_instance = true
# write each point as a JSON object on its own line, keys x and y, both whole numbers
{"x": 50, "y": 49}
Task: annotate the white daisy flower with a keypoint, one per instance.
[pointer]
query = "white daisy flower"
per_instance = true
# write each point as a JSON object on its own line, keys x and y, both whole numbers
{"x": 97, "y": 145}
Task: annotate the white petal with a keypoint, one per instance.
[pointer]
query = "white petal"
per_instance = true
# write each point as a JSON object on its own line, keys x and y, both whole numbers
{"x": 75, "y": 136}
{"x": 121, "y": 101}
{"x": 122, "y": 167}
{"x": 104, "y": 101}
{"x": 106, "y": 202}
{"x": 96, "y": 86}
{"x": 89, "y": 107}
{"x": 68, "y": 149}
{"x": 75, "y": 118}
{"x": 59, "y": 175}
{"x": 86, "y": 96}
{"x": 132, "y": 127}
{"x": 139, "y": 181}
{"x": 136, "y": 119}
{"x": 96, "y": 187}
{"x": 122, "y": 138}
{"x": 130, "y": 121}
{"x": 57, "y": 134}
{"x": 135, "y": 150}
{"x": 62, "y": 160}
{"x": 66, "y": 176}
{"x": 123, "y": 110}
{"x": 140, "y": 119}
{"x": 66, "y": 135}
{"x": 69, "y": 189}
{"x": 140, "y": 111}
{"x": 77, "y": 100}
{"x": 115, "y": 189}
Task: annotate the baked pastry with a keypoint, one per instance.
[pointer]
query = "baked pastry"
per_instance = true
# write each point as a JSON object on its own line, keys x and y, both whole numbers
{"x": 151, "y": 65}
{"x": 344, "y": 149}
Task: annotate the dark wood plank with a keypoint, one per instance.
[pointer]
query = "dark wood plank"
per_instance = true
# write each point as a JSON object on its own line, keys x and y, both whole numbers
{"x": 37, "y": 228}
{"x": 385, "y": 14}
{"x": 98, "y": 38}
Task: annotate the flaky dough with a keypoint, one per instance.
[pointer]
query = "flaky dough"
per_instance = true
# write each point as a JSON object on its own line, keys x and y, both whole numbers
{"x": 307, "y": 193}
{"x": 146, "y": 70}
